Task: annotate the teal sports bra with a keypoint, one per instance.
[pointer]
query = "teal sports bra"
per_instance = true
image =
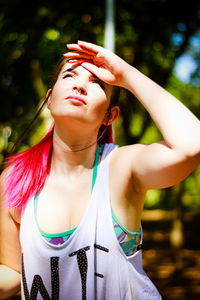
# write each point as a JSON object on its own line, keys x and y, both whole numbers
{"x": 128, "y": 245}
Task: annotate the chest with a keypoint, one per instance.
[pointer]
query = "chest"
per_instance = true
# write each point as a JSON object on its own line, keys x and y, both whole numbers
{"x": 60, "y": 206}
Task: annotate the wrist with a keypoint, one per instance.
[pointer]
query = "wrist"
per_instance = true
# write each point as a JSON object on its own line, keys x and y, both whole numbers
{"x": 128, "y": 77}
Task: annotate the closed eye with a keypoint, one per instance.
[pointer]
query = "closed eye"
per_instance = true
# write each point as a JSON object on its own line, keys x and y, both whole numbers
{"x": 96, "y": 80}
{"x": 67, "y": 75}
{"x": 92, "y": 79}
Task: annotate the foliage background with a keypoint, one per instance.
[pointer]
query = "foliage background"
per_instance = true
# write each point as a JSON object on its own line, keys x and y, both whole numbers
{"x": 152, "y": 35}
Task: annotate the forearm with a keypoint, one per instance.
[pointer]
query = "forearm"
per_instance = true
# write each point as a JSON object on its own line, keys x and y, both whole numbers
{"x": 9, "y": 282}
{"x": 179, "y": 127}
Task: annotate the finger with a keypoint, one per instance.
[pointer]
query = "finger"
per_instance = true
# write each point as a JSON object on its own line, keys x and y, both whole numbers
{"x": 91, "y": 68}
{"x": 99, "y": 72}
{"x": 79, "y": 61}
{"x": 77, "y": 55}
{"x": 73, "y": 47}
{"x": 78, "y": 48}
{"x": 89, "y": 46}
{"x": 74, "y": 61}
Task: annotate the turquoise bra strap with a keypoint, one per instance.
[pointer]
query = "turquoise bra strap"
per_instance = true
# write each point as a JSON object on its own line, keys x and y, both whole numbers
{"x": 115, "y": 219}
{"x": 95, "y": 166}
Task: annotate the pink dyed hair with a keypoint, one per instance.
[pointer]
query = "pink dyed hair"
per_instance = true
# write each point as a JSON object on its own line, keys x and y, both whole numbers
{"x": 28, "y": 172}
{"x": 29, "y": 169}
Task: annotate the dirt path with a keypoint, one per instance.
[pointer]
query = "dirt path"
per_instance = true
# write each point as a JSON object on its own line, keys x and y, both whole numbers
{"x": 176, "y": 273}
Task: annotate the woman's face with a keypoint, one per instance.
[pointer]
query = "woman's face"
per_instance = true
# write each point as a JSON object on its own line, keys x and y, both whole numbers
{"x": 78, "y": 95}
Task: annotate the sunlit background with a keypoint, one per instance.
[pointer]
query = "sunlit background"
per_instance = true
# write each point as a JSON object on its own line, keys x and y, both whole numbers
{"x": 159, "y": 37}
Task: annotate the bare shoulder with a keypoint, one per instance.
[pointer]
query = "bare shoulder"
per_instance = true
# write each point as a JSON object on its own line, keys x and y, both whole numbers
{"x": 124, "y": 156}
{"x": 128, "y": 152}
{"x": 14, "y": 213}
{"x": 121, "y": 165}
{"x": 152, "y": 166}
{"x": 3, "y": 179}
{"x": 10, "y": 248}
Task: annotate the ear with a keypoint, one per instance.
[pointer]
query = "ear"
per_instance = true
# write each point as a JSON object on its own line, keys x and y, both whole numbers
{"x": 49, "y": 97}
{"x": 111, "y": 115}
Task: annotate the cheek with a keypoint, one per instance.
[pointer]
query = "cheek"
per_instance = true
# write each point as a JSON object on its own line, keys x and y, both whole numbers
{"x": 57, "y": 94}
{"x": 103, "y": 107}
{"x": 53, "y": 104}
{"x": 100, "y": 96}
{"x": 57, "y": 89}
{"x": 100, "y": 109}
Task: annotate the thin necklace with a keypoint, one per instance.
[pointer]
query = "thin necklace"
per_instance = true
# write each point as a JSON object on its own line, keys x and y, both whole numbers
{"x": 90, "y": 145}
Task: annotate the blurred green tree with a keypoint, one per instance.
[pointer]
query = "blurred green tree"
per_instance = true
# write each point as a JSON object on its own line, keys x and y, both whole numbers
{"x": 150, "y": 35}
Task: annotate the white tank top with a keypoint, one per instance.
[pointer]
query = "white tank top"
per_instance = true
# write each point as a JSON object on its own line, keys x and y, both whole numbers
{"x": 90, "y": 264}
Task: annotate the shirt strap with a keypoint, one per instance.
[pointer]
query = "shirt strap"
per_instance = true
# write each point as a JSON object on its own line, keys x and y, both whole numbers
{"x": 98, "y": 155}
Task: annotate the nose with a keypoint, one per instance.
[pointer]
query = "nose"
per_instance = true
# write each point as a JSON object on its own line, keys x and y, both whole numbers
{"x": 80, "y": 88}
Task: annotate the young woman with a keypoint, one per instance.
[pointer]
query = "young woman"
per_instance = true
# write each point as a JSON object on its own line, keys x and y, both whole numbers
{"x": 71, "y": 219}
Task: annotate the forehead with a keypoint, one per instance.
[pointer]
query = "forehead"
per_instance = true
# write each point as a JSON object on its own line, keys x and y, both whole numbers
{"x": 77, "y": 68}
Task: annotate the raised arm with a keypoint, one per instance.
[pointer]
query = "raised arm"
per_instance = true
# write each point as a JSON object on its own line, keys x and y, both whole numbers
{"x": 168, "y": 162}
{"x": 10, "y": 250}
{"x": 160, "y": 164}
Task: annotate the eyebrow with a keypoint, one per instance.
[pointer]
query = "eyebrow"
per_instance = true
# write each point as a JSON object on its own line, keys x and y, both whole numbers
{"x": 97, "y": 78}
{"x": 72, "y": 69}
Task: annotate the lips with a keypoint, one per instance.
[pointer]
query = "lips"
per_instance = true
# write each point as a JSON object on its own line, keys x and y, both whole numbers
{"x": 76, "y": 100}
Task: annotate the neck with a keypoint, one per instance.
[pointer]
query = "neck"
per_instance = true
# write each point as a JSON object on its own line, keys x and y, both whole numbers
{"x": 73, "y": 151}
